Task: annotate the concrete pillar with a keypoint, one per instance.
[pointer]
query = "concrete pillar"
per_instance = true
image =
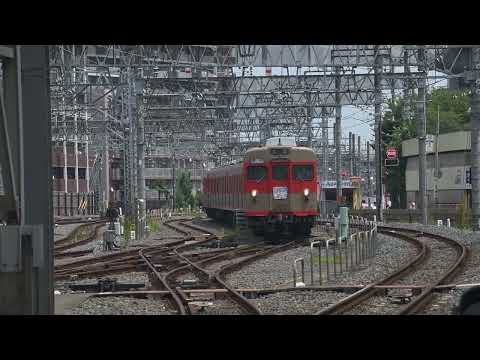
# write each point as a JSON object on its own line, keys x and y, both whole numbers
{"x": 26, "y": 79}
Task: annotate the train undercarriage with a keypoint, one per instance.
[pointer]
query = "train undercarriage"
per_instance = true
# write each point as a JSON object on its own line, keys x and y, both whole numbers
{"x": 270, "y": 226}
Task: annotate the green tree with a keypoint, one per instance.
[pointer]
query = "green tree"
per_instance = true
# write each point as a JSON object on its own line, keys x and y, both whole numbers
{"x": 156, "y": 184}
{"x": 183, "y": 191}
{"x": 395, "y": 129}
{"x": 198, "y": 198}
{"x": 453, "y": 108}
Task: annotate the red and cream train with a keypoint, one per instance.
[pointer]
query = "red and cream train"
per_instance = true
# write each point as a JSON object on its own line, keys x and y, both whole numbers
{"x": 275, "y": 187}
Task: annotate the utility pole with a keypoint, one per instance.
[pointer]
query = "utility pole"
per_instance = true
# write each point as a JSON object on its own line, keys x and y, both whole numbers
{"x": 131, "y": 144}
{"x": 437, "y": 163}
{"x": 75, "y": 115}
{"x": 338, "y": 133}
{"x": 350, "y": 154}
{"x": 65, "y": 138}
{"x": 173, "y": 182}
{"x": 354, "y": 163}
{"x": 139, "y": 88}
{"x": 85, "y": 78}
{"x": 106, "y": 165}
{"x": 359, "y": 158}
{"x": 475, "y": 152}
{"x": 368, "y": 174}
{"x": 309, "y": 118}
{"x": 421, "y": 133}
{"x": 378, "y": 133}
{"x": 324, "y": 158}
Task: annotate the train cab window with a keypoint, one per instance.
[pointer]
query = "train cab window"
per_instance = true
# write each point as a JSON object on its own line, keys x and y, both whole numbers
{"x": 256, "y": 173}
{"x": 302, "y": 172}
{"x": 280, "y": 172}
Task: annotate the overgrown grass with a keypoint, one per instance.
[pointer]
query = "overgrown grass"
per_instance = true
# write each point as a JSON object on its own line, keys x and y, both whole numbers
{"x": 231, "y": 234}
{"x": 152, "y": 224}
{"x": 464, "y": 217}
{"x": 128, "y": 226}
{"x": 325, "y": 260}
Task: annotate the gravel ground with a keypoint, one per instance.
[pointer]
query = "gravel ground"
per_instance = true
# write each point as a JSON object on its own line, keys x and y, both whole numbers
{"x": 392, "y": 253}
{"x": 296, "y": 302}
{"x": 378, "y": 305}
{"x": 210, "y": 224}
{"x": 445, "y": 302}
{"x": 130, "y": 277}
{"x": 277, "y": 270}
{"x": 62, "y": 231}
{"x": 273, "y": 271}
{"x": 222, "y": 307}
{"x": 122, "y": 306}
{"x": 165, "y": 235}
{"x": 442, "y": 256}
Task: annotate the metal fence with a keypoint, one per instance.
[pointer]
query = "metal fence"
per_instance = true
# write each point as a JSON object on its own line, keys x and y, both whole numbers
{"x": 330, "y": 258}
{"x": 71, "y": 204}
{"x": 328, "y": 207}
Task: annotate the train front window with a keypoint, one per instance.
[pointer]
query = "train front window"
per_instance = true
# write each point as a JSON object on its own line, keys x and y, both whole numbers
{"x": 256, "y": 173}
{"x": 280, "y": 172}
{"x": 303, "y": 172}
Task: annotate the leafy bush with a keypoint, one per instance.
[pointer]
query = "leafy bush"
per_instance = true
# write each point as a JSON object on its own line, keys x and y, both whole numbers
{"x": 464, "y": 220}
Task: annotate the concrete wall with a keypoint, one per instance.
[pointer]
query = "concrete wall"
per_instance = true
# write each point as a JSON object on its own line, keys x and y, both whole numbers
{"x": 403, "y": 215}
{"x": 453, "y": 167}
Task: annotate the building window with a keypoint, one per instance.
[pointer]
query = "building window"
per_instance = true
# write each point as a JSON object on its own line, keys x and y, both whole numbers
{"x": 82, "y": 173}
{"x": 71, "y": 173}
{"x": 57, "y": 172}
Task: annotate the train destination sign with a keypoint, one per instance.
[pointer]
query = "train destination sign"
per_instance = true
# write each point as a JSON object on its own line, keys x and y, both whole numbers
{"x": 332, "y": 184}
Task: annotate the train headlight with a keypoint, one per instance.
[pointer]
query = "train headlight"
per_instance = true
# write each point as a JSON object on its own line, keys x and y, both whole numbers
{"x": 254, "y": 193}
{"x": 306, "y": 192}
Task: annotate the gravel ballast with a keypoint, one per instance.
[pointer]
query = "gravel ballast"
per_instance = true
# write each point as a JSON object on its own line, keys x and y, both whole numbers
{"x": 445, "y": 302}
{"x": 272, "y": 271}
{"x": 121, "y": 306}
{"x": 130, "y": 277}
{"x": 277, "y": 270}
{"x": 62, "y": 231}
{"x": 296, "y": 302}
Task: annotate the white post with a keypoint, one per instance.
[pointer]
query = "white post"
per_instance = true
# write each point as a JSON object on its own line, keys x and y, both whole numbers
{"x": 448, "y": 222}
{"x": 439, "y": 222}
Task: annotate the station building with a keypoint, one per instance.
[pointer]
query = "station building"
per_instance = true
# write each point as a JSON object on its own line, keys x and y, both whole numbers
{"x": 454, "y": 162}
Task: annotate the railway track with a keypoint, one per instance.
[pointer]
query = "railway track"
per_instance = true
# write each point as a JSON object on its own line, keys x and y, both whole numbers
{"x": 70, "y": 221}
{"x": 432, "y": 253}
{"x": 193, "y": 257}
{"x": 203, "y": 272}
{"x": 83, "y": 234}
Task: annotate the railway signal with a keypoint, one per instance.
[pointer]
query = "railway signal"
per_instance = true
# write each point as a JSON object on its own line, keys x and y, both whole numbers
{"x": 391, "y": 153}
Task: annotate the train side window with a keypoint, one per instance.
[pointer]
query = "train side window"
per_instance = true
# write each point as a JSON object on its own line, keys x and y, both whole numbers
{"x": 280, "y": 172}
{"x": 303, "y": 172}
{"x": 256, "y": 173}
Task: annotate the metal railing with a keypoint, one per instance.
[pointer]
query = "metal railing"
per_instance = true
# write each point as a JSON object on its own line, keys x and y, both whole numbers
{"x": 340, "y": 255}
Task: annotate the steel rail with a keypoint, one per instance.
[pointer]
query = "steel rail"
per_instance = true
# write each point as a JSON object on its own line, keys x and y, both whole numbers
{"x": 370, "y": 290}
{"x": 65, "y": 244}
{"x": 176, "y": 299}
{"x": 426, "y": 295}
{"x": 421, "y": 301}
